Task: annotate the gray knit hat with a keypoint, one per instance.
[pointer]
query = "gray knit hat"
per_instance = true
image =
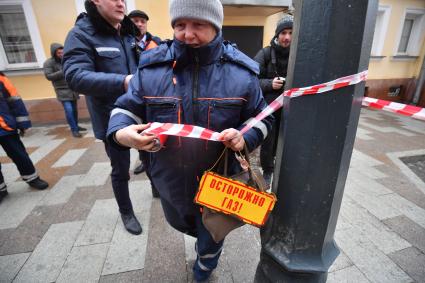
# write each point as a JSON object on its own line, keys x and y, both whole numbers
{"x": 285, "y": 23}
{"x": 207, "y": 10}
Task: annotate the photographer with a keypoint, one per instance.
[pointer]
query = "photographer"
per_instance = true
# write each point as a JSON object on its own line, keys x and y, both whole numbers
{"x": 273, "y": 62}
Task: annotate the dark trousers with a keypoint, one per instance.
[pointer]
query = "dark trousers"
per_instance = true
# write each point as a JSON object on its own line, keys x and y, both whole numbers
{"x": 16, "y": 151}
{"x": 268, "y": 148}
{"x": 120, "y": 163}
{"x": 71, "y": 114}
{"x": 145, "y": 158}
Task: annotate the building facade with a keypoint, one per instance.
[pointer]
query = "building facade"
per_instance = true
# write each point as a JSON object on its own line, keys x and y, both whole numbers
{"x": 28, "y": 27}
{"x": 398, "y": 50}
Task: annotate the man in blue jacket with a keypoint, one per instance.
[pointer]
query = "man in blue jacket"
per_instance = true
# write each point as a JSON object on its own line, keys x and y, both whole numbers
{"x": 14, "y": 119}
{"x": 99, "y": 58}
{"x": 195, "y": 79}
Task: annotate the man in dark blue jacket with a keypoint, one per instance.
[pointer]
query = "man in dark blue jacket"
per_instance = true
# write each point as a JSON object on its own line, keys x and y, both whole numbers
{"x": 99, "y": 58}
{"x": 196, "y": 79}
{"x": 13, "y": 119}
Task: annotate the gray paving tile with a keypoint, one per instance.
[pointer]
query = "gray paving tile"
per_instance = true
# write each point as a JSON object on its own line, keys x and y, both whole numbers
{"x": 409, "y": 230}
{"x": 79, "y": 205}
{"x": 135, "y": 276}
{"x": 4, "y": 235}
{"x": 399, "y": 184}
{"x": 18, "y": 204}
{"x": 360, "y": 160}
{"x": 69, "y": 158}
{"x": 95, "y": 153}
{"x": 165, "y": 256}
{"x": 376, "y": 205}
{"x": 97, "y": 175}
{"x": 10, "y": 173}
{"x": 29, "y": 233}
{"x": 373, "y": 263}
{"x": 341, "y": 262}
{"x": 100, "y": 223}
{"x": 412, "y": 261}
{"x": 46, "y": 261}
{"x": 127, "y": 252}
{"x": 45, "y": 149}
{"x": 408, "y": 208}
{"x": 62, "y": 190}
{"x": 415, "y": 179}
{"x": 84, "y": 264}
{"x": 407, "y": 133}
{"x": 242, "y": 241}
{"x": 10, "y": 266}
{"x": 371, "y": 228}
{"x": 348, "y": 275}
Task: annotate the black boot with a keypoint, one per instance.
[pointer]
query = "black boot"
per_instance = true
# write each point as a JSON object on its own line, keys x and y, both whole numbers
{"x": 38, "y": 184}
{"x": 131, "y": 223}
{"x": 140, "y": 169}
{"x": 81, "y": 129}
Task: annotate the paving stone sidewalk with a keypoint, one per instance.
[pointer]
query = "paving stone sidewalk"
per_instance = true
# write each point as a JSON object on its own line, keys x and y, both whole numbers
{"x": 72, "y": 231}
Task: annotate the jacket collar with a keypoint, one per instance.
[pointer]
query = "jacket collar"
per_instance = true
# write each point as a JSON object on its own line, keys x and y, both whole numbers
{"x": 205, "y": 55}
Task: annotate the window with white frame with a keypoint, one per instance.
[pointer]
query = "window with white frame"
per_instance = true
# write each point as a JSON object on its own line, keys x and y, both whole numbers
{"x": 412, "y": 31}
{"x": 79, "y": 4}
{"x": 381, "y": 26}
{"x": 20, "y": 44}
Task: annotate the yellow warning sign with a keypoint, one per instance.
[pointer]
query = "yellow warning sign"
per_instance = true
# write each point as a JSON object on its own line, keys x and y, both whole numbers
{"x": 233, "y": 197}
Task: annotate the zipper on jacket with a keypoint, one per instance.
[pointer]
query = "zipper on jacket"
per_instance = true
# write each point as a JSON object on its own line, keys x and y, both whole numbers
{"x": 195, "y": 89}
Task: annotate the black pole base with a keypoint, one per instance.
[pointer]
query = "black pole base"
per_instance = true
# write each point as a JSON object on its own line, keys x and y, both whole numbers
{"x": 269, "y": 271}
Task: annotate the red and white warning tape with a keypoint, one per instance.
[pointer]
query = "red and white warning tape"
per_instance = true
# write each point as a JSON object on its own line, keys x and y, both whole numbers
{"x": 407, "y": 110}
{"x": 295, "y": 92}
{"x": 191, "y": 131}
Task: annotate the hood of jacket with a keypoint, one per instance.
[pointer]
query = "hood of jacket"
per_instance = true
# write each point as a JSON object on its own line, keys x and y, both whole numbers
{"x": 100, "y": 25}
{"x": 53, "y": 47}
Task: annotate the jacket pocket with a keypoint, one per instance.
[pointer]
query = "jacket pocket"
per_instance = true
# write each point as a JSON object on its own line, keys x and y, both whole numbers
{"x": 162, "y": 111}
{"x": 224, "y": 114}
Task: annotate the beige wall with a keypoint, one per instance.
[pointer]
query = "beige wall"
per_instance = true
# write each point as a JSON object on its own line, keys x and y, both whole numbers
{"x": 159, "y": 20}
{"x": 388, "y": 67}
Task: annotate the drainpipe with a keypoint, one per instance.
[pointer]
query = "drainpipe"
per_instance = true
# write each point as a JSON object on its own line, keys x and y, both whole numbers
{"x": 420, "y": 84}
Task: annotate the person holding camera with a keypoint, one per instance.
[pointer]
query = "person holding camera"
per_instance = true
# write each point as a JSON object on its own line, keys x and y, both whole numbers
{"x": 273, "y": 62}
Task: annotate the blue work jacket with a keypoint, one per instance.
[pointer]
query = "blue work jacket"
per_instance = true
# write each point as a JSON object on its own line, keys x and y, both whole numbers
{"x": 96, "y": 61}
{"x": 214, "y": 86}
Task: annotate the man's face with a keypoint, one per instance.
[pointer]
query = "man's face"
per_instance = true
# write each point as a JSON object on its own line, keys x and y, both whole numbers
{"x": 195, "y": 33}
{"x": 59, "y": 53}
{"x": 112, "y": 11}
{"x": 141, "y": 23}
{"x": 284, "y": 38}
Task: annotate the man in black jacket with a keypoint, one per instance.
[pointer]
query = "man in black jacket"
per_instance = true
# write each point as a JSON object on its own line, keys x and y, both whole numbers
{"x": 99, "y": 58}
{"x": 273, "y": 62}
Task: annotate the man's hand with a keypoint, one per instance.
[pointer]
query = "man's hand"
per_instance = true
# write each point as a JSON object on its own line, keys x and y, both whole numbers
{"x": 232, "y": 138}
{"x": 130, "y": 136}
{"x": 277, "y": 83}
{"x": 127, "y": 81}
{"x": 21, "y": 132}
